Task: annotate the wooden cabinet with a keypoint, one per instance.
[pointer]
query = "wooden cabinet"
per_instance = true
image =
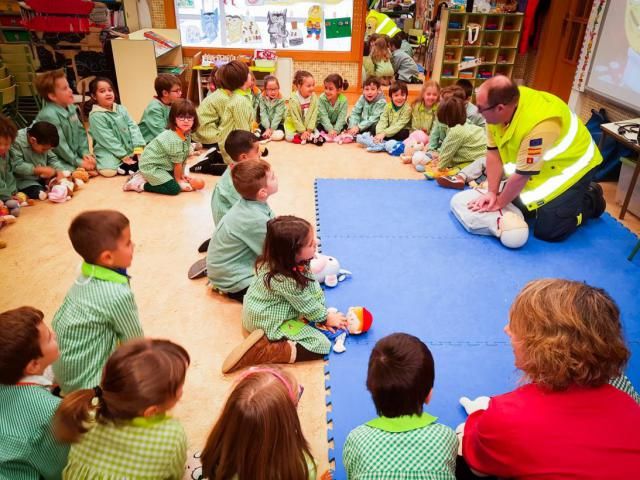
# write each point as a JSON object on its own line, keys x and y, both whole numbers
{"x": 476, "y": 46}
{"x": 137, "y": 62}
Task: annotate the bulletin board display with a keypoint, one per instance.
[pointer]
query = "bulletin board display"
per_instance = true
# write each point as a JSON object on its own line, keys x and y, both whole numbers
{"x": 322, "y": 26}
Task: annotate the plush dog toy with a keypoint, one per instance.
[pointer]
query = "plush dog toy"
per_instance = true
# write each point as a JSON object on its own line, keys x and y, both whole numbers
{"x": 327, "y": 270}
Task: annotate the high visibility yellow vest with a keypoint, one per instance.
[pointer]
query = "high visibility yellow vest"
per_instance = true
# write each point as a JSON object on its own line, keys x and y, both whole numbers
{"x": 566, "y": 162}
{"x": 383, "y": 24}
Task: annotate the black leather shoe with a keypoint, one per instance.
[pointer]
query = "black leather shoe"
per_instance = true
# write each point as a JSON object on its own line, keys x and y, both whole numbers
{"x": 596, "y": 195}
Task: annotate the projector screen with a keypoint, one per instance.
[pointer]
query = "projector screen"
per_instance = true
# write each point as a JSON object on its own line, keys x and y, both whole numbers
{"x": 615, "y": 69}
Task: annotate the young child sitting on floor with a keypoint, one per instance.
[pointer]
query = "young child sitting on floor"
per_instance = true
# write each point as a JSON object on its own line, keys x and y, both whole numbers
{"x": 154, "y": 119}
{"x": 464, "y": 143}
{"x": 59, "y": 109}
{"x": 332, "y": 109}
{"x": 473, "y": 115}
{"x": 302, "y": 111}
{"x": 378, "y": 63}
{"x": 367, "y": 110}
{"x": 119, "y": 428}
{"x": 239, "y": 113}
{"x": 404, "y": 441}
{"x": 239, "y": 236}
{"x": 117, "y": 141}
{"x": 8, "y": 184}
{"x": 259, "y": 426}
{"x": 99, "y": 311}
{"x": 394, "y": 121}
{"x": 272, "y": 109}
{"x": 281, "y": 295}
{"x": 240, "y": 145}
{"x": 404, "y": 66}
{"x": 162, "y": 162}
{"x": 210, "y": 114}
{"x": 27, "y": 348}
{"x": 33, "y": 159}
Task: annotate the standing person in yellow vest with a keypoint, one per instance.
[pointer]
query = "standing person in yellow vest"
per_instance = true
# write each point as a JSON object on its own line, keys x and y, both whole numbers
{"x": 547, "y": 156}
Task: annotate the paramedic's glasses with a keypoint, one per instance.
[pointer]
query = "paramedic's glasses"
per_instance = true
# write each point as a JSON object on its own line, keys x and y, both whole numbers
{"x": 481, "y": 110}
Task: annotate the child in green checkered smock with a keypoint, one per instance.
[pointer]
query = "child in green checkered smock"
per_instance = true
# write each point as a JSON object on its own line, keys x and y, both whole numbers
{"x": 332, "y": 107}
{"x": 162, "y": 162}
{"x": 99, "y": 311}
{"x": 404, "y": 442}
{"x": 154, "y": 119}
{"x": 284, "y": 297}
{"x": 465, "y": 142}
{"x": 120, "y": 428}
{"x": 260, "y": 422}
{"x": 302, "y": 112}
{"x": 117, "y": 140}
{"x": 28, "y": 449}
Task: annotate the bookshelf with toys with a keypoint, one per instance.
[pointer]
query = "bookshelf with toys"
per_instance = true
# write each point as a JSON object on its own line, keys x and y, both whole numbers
{"x": 476, "y": 46}
{"x": 138, "y": 58}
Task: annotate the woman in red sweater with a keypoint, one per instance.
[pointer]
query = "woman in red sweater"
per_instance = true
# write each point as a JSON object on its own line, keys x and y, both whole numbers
{"x": 570, "y": 420}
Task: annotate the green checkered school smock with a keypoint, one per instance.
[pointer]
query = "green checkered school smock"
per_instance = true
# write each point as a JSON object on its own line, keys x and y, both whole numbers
{"x": 25, "y": 160}
{"x": 210, "y": 114}
{"x": 401, "y": 448}
{"x": 238, "y": 115}
{"x": 97, "y": 314}
{"x": 462, "y": 145}
{"x": 278, "y": 310}
{"x": 333, "y": 117}
{"x": 422, "y": 117}
{"x": 392, "y": 120}
{"x": 271, "y": 112}
{"x": 158, "y": 159}
{"x": 224, "y": 197}
{"x": 141, "y": 449}
{"x": 28, "y": 450}
{"x": 154, "y": 119}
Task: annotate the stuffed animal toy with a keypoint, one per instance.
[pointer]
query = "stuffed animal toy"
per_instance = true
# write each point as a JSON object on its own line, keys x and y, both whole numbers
{"x": 431, "y": 170}
{"x": 394, "y": 147}
{"x": 80, "y": 176}
{"x": 420, "y": 159}
{"x": 61, "y": 190}
{"x": 23, "y": 200}
{"x": 6, "y": 217}
{"x": 344, "y": 138}
{"x": 470, "y": 406}
{"x": 193, "y": 467}
{"x": 326, "y": 269}
{"x": 277, "y": 135}
{"x": 359, "y": 320}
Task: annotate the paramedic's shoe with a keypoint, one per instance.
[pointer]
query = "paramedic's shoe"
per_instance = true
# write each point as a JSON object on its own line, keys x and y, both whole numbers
{"x": 595, "y": 202}
{"x": 451, "y": 181}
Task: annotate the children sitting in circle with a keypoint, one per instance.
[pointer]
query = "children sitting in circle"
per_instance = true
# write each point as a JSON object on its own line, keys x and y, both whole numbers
{"x": 117, "y": 141}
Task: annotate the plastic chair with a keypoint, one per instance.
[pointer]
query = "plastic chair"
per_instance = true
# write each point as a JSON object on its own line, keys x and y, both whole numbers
{"x": 82, "y": 86}
{"x": 9, "y": 101}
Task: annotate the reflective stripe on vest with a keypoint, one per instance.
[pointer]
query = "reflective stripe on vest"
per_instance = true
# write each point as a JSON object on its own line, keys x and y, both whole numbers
{"x": 391, "y": 32}
{"x": 567, "y": 174}
{"x": 556, "y": 182}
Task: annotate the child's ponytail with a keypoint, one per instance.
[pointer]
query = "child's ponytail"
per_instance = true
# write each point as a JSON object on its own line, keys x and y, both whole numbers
{"x": 141, "y": 373}
{"x": 73, "y": 415}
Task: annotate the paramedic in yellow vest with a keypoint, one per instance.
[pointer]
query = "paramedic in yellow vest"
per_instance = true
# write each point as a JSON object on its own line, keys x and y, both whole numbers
{"x": 546, "y": 154}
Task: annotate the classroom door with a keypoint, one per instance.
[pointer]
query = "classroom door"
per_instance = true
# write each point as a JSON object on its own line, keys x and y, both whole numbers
{"x": 560, "y": 46}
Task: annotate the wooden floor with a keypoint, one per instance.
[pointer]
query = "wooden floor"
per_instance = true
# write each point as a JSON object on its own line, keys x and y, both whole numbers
{"x": 39, "y": 266}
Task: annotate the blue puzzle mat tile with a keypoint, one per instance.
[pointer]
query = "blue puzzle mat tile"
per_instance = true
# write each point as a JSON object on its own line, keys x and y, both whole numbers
{"x": 420, "y": 272}
{"x": 463, "y": 297}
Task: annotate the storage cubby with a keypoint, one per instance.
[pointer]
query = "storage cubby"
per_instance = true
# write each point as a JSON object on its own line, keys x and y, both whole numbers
{"x": 495, "y": 46}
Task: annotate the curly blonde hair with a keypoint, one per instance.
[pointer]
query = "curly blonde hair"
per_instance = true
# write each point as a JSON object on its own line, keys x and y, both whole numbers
{"x": 567, "y": 333}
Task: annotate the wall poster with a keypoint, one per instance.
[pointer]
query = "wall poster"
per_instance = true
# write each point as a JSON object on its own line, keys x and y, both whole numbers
{"x": 323, "y": 25}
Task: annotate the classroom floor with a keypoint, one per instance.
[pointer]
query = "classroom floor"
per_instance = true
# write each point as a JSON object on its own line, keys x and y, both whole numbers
{"x": 39, "y": 266}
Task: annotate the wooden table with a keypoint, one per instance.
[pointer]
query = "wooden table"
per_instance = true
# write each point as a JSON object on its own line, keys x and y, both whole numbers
{"x": 630, "y": 141}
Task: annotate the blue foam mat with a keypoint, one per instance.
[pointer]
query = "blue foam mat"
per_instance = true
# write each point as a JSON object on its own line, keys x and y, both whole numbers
{"x": 420, "y": 272}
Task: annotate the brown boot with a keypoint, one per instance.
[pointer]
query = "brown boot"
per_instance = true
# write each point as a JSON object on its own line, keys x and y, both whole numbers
{"x": 256, "y": 349}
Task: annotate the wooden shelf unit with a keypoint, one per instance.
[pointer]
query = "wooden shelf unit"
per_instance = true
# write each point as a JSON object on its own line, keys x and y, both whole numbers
{"x": 496, "y": 46}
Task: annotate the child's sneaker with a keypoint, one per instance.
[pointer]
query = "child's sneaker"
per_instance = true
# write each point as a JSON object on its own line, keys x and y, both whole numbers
{"x": 451, "y": 181}
{"x": 135, "y": 183}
